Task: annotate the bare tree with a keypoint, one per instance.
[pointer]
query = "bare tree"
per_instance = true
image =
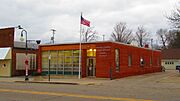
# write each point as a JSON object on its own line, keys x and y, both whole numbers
{"x": 175, "y": 18}
{"x": 163, "y": 36}
{"x": 89, "y": 34}
{"x": 174, "y": 39}
{"x": 142, "y": 36}
{"x": 121, "y": 33}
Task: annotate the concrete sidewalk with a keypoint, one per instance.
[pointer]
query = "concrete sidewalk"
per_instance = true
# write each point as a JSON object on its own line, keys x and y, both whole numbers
{"x": 60, "y": 80}
{"x": 170, "y": 77}
{"x": 175, "y": 78}
{"x": 13, "y": 79}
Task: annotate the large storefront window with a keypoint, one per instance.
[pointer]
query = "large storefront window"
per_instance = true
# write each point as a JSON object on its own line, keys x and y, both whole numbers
{"x": 64, "y": 62}
{"x": 53, "y": 62}
{"x": 20, "y": 61}
{"x": 45, "y": 55}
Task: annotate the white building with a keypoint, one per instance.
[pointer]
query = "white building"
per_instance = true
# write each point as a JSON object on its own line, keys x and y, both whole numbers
{"x": 170, "y": 58}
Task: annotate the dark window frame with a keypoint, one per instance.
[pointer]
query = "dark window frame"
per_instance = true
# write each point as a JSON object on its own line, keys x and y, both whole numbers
{"x": 130, "y": 60}
{"x": 142, "y": 63}
{"x": 117, "y": 59}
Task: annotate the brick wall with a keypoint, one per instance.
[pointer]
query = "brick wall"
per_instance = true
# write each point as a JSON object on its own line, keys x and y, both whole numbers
{"x": 7, "y": 37}
{"x": 21, "y": 72}
{"x": 105, "y": 58}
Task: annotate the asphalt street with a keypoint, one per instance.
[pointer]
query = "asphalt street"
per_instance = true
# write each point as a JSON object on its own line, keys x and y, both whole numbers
{"x": 163, "y": 86}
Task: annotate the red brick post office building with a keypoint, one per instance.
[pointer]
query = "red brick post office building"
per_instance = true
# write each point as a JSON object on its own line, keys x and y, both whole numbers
{"x": 99, "y": 59}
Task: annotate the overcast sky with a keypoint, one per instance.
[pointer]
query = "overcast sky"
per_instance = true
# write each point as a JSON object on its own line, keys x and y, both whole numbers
{"x": 39, "y": 16}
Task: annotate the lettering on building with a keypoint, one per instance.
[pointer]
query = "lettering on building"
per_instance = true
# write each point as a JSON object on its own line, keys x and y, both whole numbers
{"x": 103, "y": 51}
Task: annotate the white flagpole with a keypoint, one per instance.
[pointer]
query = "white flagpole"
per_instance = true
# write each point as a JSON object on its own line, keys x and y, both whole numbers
{"x": 80, "y": 50}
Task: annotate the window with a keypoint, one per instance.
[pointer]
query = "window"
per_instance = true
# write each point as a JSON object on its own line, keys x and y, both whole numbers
{"x": 158, "y": 62}
{"x": 45, "y": 55}
{"x": 130, "y": 60}
{"x": 117, "y": 59}
{"x": 151, "y": 60}
{"x": 53, "y": 61}
{"x": 62, "y": 61}
{"x": 170, "y": 63}
{"x": 20, "y": 61}
{"x": 91, "y": 52}
{"x": 141, "y": 61}
{"x": 32, "y": 61}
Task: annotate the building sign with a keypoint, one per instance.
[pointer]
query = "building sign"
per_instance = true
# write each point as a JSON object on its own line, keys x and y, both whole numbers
{"x": 7, "y": 37}
{"x": 103, "y": 51}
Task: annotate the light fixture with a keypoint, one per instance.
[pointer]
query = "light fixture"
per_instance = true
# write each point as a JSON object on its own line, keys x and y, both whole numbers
{"x": 22, "y": 38}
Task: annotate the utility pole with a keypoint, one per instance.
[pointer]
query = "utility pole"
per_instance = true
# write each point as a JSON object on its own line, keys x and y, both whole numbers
{"x": 103, "y": 37}
{"x": 152, "y": 43}
{"x": 53, "y": 32}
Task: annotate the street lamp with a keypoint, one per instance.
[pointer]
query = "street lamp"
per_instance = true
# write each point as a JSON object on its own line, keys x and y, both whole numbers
{"x": 26, "y": 61}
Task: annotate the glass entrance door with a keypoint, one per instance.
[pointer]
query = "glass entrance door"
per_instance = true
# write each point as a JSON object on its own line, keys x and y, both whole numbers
{"x": 91, "y": 66}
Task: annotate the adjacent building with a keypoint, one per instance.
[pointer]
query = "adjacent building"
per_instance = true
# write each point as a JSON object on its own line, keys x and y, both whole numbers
{"x": 12, "y": 55}
{"x": 98, "y": 59}
{"x": 170, "y": 58}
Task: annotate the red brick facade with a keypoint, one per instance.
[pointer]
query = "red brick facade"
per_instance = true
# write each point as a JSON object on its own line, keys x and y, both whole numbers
{"x": 7, "y": 37}
{"x": 105, "y": 58}
{"x": 16, "y": 72}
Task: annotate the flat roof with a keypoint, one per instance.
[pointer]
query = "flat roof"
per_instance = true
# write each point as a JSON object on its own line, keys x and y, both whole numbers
{"x": 76, "y": 43}
{"x": 171, "y": 53}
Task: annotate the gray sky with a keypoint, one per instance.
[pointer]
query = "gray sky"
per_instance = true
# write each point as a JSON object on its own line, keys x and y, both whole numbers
{"x": 39, "y": 16}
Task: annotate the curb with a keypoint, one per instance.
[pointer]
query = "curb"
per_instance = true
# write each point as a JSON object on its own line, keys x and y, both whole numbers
{"x": 67, "y": 83}
{"x": 6, "y": 81}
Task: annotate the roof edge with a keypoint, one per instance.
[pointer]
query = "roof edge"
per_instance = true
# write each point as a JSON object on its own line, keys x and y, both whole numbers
{"x": 41, "y": 45}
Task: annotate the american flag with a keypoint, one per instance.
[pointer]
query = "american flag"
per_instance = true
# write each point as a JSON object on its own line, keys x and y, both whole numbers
{"x": 85, "y": 22}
